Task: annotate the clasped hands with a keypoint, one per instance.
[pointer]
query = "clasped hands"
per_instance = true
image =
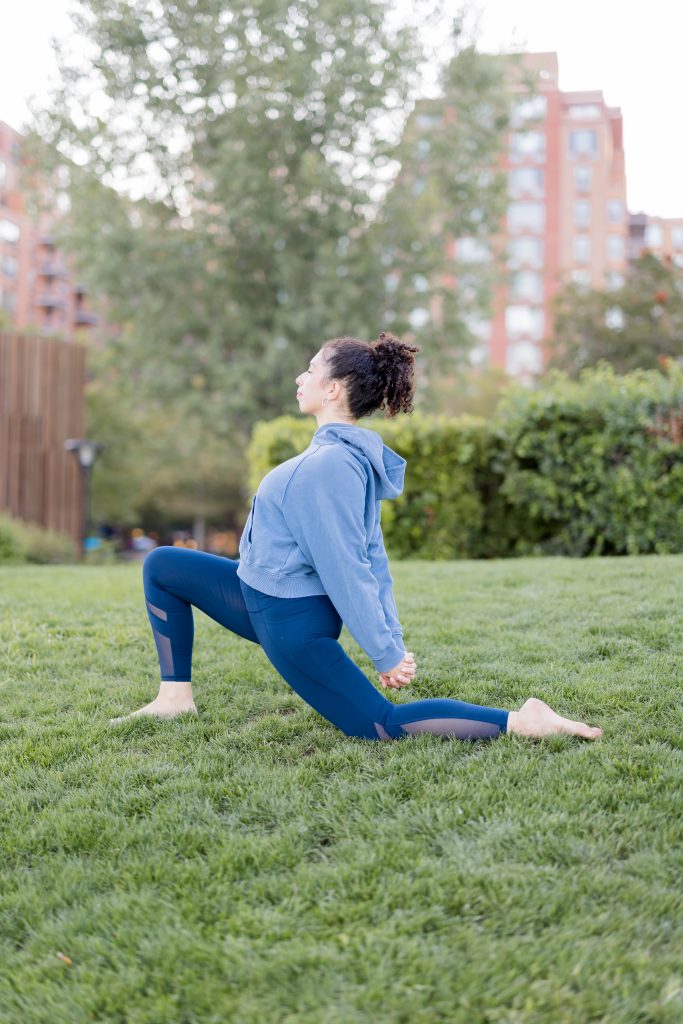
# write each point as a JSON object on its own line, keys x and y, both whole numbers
{"x": 401, "y": 675}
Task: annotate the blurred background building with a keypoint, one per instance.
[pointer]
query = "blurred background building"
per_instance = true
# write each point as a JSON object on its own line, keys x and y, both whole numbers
{"x": 566, "y": 218}
{"x": 38, "y": 288}
{"x": 662, "y": 236}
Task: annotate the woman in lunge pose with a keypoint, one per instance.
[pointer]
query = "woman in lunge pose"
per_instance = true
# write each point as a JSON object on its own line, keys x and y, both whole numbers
{"x": 311, "y": 558}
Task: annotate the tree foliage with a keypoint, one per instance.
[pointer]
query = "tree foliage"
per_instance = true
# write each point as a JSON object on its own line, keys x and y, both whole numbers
{"x": 229, "y": 170}
{"x": 633, "y": 327}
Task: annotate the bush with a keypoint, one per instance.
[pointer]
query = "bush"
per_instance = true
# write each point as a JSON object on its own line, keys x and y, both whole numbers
{"x": 26, "y": 542}
{"x": 595, "y": 465}
{"x": 441, "y": 512}
{"x": 12, "y": 540}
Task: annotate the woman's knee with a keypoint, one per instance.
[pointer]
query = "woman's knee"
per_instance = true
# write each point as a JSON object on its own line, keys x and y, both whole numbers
{"x": 158, "y": 561}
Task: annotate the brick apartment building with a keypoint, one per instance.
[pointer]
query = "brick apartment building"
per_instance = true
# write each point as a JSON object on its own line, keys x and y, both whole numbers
{"x": 38, "y": 289}
{"x": 566, "y": 216}
{"x": 662, "y": 236}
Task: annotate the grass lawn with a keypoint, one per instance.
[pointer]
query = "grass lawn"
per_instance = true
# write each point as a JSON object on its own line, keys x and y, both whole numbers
{"x": 253, "y": 865}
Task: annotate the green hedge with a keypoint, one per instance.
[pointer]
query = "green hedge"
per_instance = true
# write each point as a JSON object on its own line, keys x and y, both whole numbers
{"x": 593, "y": 466}
{"x": 25, "y": 542}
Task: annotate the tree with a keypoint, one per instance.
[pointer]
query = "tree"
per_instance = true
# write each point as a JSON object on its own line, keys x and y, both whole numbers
{"x": 633, "y": 327}
{"x": 227, "y": 169}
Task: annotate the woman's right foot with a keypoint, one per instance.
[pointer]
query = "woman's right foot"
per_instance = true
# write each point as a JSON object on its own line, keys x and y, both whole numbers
{"x": 173, "y": 699}
{"x": 536, "y": 719}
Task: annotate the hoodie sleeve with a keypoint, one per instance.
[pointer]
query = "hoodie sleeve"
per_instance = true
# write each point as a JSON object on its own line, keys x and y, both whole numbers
{"x": 379, "y": 564}
{"x": 326, "y": 519}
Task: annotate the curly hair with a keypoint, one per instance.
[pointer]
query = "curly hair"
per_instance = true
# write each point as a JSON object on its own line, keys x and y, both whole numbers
{"x": 376, "y": 376}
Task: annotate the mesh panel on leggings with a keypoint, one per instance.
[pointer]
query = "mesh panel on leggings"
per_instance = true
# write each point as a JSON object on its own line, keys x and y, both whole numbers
{"x": 165, "y": 654}
{"x": 461, "y": 728}
{"x": 159, "y": 612}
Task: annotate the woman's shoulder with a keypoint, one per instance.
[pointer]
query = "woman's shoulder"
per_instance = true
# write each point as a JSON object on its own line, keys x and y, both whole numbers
{"x": 335, "y": 461}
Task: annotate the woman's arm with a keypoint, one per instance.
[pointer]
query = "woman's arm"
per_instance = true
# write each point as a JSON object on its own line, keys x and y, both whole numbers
{"x": 379, "y": 564}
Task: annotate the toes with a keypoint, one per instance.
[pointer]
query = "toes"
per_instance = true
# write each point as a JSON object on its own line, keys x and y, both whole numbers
{"x": 587, "y": 732}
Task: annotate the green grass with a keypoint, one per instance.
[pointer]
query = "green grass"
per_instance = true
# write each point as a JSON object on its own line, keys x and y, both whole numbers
{"x": 255, "y": 865}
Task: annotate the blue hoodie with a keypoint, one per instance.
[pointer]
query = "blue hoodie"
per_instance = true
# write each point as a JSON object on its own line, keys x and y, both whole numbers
{"x": 314, "y": 528}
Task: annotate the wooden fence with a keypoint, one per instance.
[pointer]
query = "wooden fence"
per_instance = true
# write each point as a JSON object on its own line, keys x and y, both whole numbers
{"x": 41, "y": 404}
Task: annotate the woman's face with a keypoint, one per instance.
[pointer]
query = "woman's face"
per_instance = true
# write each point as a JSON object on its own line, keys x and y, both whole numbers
{"x": 310, "y": 389}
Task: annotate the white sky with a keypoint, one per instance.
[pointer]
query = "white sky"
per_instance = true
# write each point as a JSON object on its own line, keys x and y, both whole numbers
{"x": 632, "y": 52}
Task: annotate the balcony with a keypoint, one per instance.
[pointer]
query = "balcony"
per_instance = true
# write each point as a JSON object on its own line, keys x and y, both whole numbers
{"x": 50, "y": 269}
{"x": 50, "y": 302}
{"x": 83, "y": 318}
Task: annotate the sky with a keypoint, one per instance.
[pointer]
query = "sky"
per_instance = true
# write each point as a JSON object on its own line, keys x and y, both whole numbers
{"x": 632, "y": 52}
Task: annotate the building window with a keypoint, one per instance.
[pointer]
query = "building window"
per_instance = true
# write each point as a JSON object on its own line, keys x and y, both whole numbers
{"x": 615, "y": 247}
{"x": 582, "y": 213}
{"x": 582, "y": 278}
{"x": 478, "y": 355}
{"x": 472, "y": 250}
{"x": 526, "y": 181}
{"x": 583, "y": 177}
{"x": 524, "y": 321}
{"x": 523, "y": 357}
{"x": 584, "y": 111}
{"x": 9, "y": 232}
{"x": 423, "y": 148}
{"x": 528, "y": 108}
{"x": 583, "y": 143}
{"x": 615, "y": 280}
{"x": 478, "y": 326}
{"x": 582, "y": 248}
{"x": 614, "y": 318}
{"x": 527, "y": 146}
{"x": 677, "y": 236}
{"x": 654, "y": 235}
{"x": 527, "y": 285}
{"x": 526, "y": 216}
{"x": 8, "y": 265}
{"x": 615, "y": 211}
{"x": 525, "y": 252}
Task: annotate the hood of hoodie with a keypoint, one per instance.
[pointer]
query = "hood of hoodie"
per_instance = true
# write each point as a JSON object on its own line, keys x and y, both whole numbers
{"x": 388, "y": 466}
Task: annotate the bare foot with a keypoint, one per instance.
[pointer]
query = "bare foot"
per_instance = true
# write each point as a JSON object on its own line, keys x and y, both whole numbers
{"x": 536, "y": 718}
{"x": 173, "y": 699}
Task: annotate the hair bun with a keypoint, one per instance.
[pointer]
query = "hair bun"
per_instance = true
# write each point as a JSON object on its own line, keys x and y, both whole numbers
{"x": 396, "y": 366}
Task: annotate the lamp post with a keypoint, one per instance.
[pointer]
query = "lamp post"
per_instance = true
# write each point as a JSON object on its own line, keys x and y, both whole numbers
{"x": 86, "y": 452}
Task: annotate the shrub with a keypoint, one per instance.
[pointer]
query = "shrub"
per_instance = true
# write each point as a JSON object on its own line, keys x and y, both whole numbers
{"x": 440, "y": 513}
{"x": 595, "y": 465}
{"x": 26, "y": 542}
{"x": 575, "y": 467}
{"x": 12, "y": 540}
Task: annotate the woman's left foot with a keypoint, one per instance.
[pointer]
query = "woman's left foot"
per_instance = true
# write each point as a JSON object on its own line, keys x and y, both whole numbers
{"x": 173, "y": 699}
{"x": 536, "y": 719}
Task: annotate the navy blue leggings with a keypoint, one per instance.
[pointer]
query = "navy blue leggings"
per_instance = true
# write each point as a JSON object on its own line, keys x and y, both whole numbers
{"x": 300, "y": 638}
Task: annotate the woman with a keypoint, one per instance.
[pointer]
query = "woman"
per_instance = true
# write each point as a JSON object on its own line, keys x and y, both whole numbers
{"x": 311, "y": 558}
